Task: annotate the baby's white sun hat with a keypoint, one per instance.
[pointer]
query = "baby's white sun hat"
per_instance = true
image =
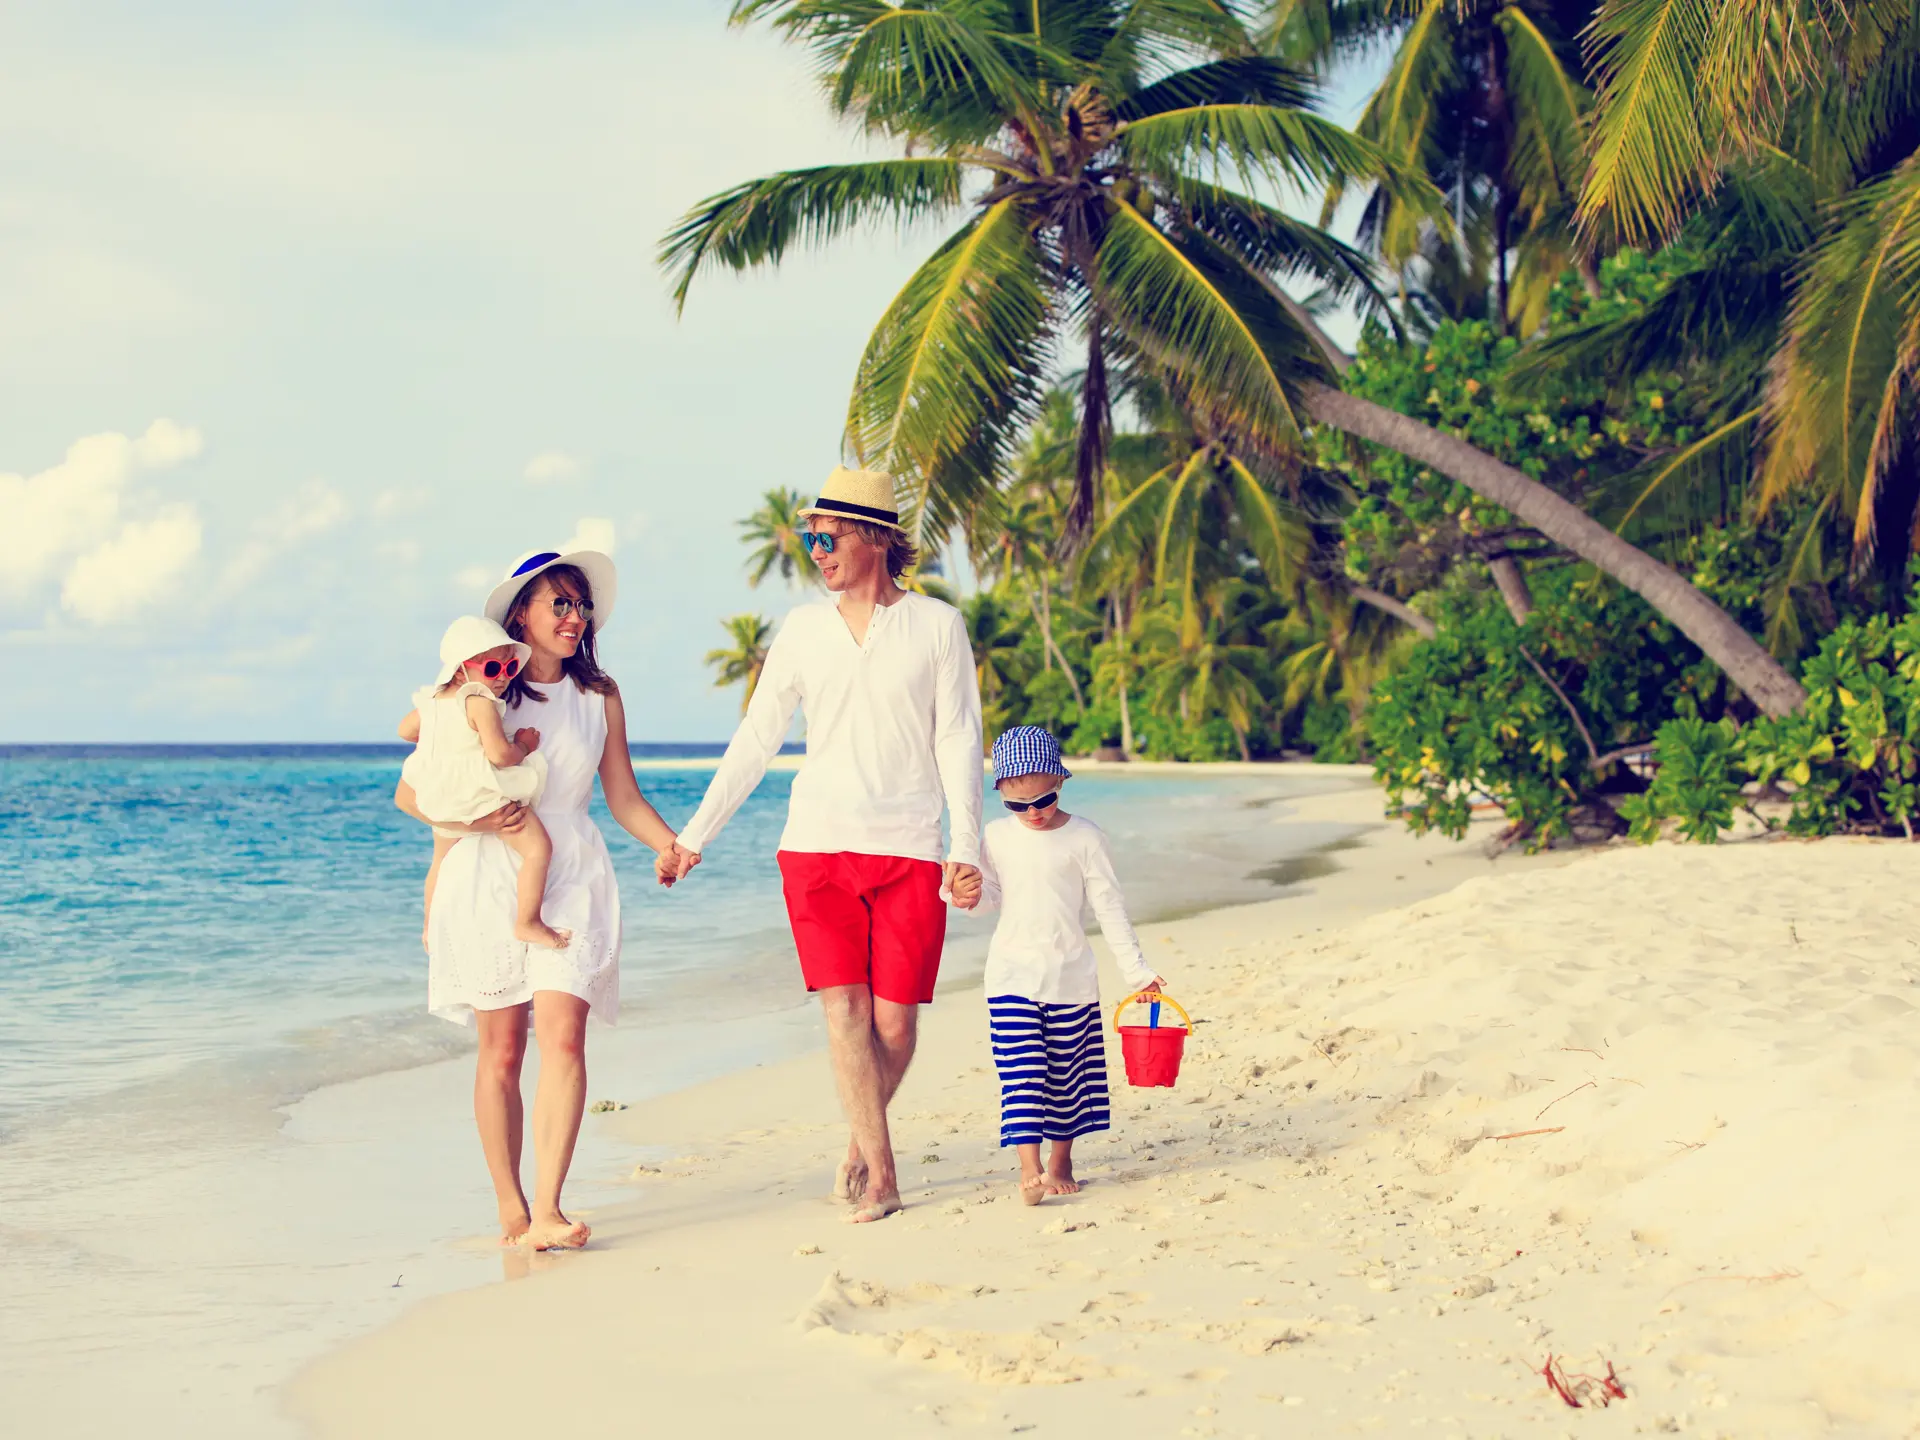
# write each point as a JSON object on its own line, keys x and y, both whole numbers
{"x": 473, "y": 635}
{"x": 598, "y": 569}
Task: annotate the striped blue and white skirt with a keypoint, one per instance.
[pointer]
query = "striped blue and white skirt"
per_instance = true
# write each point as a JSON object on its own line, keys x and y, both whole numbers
{"x": 1053, "y": 1069}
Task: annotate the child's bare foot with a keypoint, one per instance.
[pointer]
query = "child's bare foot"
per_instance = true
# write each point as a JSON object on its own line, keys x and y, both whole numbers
{"x": 1061, "y": 1182}
{"x": 514, "y": 1223}
{"x": 556, "y": 1232}
{"x": 537, "y": 932}
{"x": 1033, "y": 1189}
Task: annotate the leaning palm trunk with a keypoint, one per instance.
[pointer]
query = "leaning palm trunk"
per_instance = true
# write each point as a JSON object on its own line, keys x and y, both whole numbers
{"x": 1743, "y": 659}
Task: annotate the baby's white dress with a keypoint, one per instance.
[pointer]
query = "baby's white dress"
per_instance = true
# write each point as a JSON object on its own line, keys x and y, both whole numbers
{"x": 452, "y": 779}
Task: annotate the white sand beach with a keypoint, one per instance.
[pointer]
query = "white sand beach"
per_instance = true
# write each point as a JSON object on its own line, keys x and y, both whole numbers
{"x": 1650, "y": 1111}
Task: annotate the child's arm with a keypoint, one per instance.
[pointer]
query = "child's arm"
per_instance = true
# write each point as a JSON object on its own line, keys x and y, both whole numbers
{"x": 1110, "y": 909}
{"x": 410, "y": 728}
{"x": 484, "y": 716}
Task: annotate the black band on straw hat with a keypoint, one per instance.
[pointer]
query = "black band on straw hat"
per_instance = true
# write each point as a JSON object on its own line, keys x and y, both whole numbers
{"x": 865, "y": 512}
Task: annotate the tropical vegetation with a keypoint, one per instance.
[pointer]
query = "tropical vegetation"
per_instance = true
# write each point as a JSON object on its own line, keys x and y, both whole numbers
{"x": 1605, "y": 516}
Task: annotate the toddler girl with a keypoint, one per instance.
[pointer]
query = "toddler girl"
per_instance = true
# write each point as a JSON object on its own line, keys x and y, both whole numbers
{"x": 464, "y": 766}
{"x": 1040, "y": 866}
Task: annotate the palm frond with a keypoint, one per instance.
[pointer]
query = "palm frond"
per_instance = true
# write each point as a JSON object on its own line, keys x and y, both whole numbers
{"x": 1549, "y": 109}
{"x": 1274, "y": 144}
{"x": 1241, "y": 80}
{"x": 756, "y": 223}
{"x": 1276, "y": 533}
{"x": 1195, "y": 310}
{"x": 954, "y": 365}
{"x": 1853, "y": 342}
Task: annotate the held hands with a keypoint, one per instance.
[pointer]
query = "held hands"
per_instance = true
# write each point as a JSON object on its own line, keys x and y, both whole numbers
{"x": 672, "y": 864}
{"x": 527, "y": 738}
{"x": 964, "y": 884}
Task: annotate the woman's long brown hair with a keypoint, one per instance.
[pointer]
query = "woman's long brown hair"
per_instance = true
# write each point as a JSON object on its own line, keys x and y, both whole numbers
{"x": 583, "y": 666}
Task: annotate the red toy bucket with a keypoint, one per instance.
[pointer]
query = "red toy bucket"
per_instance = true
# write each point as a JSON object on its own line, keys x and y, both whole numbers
{"x": 1152, "y": 1052}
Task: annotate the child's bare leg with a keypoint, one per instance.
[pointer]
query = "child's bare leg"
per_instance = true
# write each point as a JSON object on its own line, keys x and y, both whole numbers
{"x": 1059, "y": 1178}
{"x": 441, "y": 845}
{"x": 535, "y": 849}
{"x": 1032, "y": 1182}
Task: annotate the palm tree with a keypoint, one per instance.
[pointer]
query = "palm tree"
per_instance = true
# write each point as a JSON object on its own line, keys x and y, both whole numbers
{"x": 1208, "y": 669}
{"x": 773, "y": 533}
{"x": 1489, "y": 98}
{"x": 1102, "y": 216}
{"x": 996, "y": 654}
{"x": 746, "y": 657}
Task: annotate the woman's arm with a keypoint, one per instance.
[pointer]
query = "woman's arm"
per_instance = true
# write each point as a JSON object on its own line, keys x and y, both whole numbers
{"x": 629, "y": 807}
{"x": 504, "y": 821}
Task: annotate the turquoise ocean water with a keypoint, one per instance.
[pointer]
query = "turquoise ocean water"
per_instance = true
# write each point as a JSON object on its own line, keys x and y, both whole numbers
{"x": 230, "y": 1135}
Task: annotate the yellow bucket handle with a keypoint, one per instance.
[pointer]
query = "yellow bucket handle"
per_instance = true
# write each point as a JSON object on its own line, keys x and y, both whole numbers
{"x": 1151, "y": 997}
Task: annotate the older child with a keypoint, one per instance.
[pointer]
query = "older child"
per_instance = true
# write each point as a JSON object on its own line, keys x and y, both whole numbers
{"x": 1041, "y": 866}
{"x": 464, "y": 764}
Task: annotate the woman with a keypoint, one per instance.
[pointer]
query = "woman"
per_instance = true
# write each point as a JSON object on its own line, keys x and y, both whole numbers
{"x": 555, "y": 603}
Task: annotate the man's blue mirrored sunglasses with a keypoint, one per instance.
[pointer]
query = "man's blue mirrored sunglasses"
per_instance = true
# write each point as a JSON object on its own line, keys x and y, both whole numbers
{"x": 813, "y": 540}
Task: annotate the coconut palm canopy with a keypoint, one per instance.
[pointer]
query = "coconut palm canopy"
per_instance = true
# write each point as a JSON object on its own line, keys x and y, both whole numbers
{"x": 1102, "y": 163}
{"x": 1101, "y": 160}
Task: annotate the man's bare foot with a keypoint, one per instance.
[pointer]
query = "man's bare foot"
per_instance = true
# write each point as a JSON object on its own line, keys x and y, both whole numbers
{"x": 876, "y": 1207}
{"x": 850, "y": 1181}
{"x": 1062, "y": 1184}
{"x": 514, "y": 1222}
{"x": 538, "y": 932}
{"x": 556, "y": 1232}
{"x": 1033, "y": 1189}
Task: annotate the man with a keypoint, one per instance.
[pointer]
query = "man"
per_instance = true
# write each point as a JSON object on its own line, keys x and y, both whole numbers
{"x": 886, "y": 681}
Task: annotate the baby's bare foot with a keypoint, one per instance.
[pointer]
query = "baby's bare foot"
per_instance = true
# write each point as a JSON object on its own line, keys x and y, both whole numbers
{"x": 556, "y": 1232}
{"x": 537, "y": 932}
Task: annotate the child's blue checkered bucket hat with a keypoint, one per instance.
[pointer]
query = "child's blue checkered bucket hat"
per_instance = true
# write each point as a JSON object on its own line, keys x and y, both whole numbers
{"x": 1027, "y": 750}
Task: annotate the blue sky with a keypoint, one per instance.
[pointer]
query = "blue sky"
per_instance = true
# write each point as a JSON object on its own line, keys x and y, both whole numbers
{"x": 319, "y": 315}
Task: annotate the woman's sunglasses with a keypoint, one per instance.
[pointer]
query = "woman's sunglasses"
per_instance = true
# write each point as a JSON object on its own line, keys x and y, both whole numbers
{"x": 493, "y": 669}
{"x": 1045, "y": 802}
{"x": 817, "y": 540}
{"x": 564, "y": 606}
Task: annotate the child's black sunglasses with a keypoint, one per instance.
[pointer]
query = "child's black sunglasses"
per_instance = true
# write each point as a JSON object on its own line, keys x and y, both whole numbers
{"x": 1045, "y": 802}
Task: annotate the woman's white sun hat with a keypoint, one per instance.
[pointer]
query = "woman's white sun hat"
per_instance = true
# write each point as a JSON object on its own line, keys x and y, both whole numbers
{"x": 473, "y": 635}
{"x": 596, "y": 567}
{"x": 857, "y": 495}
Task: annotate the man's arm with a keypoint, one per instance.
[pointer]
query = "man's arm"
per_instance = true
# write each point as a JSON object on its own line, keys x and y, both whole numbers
{"x": 957, "y": 751}
{"x": 754, "y": 743}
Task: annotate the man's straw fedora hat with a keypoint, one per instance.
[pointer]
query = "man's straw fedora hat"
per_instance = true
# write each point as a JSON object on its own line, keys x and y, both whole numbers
{"x": 857, "y": 495}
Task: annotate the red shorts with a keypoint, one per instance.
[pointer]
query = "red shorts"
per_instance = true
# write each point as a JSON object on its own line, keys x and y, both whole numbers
{"x": 873, "y": 920}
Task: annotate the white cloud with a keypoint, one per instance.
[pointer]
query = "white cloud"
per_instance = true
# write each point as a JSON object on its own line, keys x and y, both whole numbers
{"x": 590, "y": 532}
{"x": 474, "y": 577}
{"x": 552, "y": 465}
{"x": 72, "y": 507}
{"x": 115, "y": 580}
{"x": 389, "y": 503}
{"x": 314, "y": 510}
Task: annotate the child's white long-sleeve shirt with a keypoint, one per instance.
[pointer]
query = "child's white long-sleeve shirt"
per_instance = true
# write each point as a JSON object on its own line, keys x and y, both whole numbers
{"x": 1041, "y": 880}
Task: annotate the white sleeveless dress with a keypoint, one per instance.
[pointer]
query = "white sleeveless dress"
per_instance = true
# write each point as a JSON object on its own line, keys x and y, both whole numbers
{"x": 474, "y": 963}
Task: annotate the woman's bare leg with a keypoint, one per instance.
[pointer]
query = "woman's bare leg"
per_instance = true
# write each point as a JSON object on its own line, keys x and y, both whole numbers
{"x": 441, "y": 845}
{"x": 535, "y": 849}
{"x": 497, "y": 1111}
{"x": 560, "y": 1026}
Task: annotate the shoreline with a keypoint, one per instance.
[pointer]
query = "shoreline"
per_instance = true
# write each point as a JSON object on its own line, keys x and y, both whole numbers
{"x": 690, "y": 1144}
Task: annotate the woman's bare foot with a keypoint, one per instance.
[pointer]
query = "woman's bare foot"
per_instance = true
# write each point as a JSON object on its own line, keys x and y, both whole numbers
{"x": 538, "y": 932}
{"x": 1033, "y": 1189}
{"x": 556, "y": 1232}
{"x": 876, "y": 1207}
{"x": 514, "y": 1222}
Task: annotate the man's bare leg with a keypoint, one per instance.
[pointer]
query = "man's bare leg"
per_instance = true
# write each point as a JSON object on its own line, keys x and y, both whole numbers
{"x": 498, "y": 1114}
{"x": 860, "y": 1073}
{"x": 896, "y": 1031}
{"x": 560, "y": 1026}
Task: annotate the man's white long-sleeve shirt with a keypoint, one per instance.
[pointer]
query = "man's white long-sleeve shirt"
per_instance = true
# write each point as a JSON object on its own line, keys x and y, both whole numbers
{"x": 893, "y": 734}
{"x": 1041, "y": 881}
